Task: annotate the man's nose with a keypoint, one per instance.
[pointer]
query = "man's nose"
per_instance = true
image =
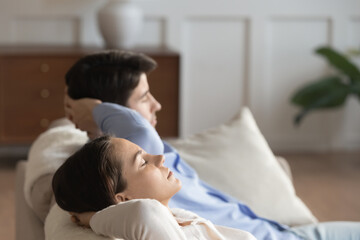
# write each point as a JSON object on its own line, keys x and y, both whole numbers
{"x": 156, "y": 106}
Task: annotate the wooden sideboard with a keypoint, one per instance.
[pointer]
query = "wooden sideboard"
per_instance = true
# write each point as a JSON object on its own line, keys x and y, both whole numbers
{"x": 32, "y": 86}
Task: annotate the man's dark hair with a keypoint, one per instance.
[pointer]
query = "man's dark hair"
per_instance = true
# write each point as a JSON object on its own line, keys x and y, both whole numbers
{"x": 109, "y": 76}
{"x": 90, "y": 178}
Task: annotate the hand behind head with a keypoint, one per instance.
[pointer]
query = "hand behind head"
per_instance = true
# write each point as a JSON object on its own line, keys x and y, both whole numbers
{"x": 80, "y": 113}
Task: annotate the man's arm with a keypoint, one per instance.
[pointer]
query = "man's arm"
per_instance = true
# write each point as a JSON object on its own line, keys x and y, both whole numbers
{"x": 93, "y": 116}
{"x": 126, "y": 123}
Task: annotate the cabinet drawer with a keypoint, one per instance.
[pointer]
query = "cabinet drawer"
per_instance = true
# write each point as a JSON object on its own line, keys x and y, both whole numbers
{"x": 34, "y": 79}
{"x": 40, "y": 68}
{"x": 25, "y": 123}
{"x": 33, "y": 96}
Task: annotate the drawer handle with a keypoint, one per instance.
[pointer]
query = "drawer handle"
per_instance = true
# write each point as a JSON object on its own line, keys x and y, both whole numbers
{"x": 45, "y": 93}
{"x": 44, "y": 122}
{"x": 44, "y": 68}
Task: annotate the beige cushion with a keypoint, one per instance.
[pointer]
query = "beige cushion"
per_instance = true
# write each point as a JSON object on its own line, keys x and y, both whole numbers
{"x": 236, "y": 159}
{"x": 58, "y": 226}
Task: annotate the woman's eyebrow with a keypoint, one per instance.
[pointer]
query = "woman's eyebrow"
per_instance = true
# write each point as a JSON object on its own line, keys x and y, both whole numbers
{"x": 137, "y": 155}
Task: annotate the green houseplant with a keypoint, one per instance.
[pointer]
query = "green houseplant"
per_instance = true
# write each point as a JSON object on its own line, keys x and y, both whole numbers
{"x": 330, "y": 91}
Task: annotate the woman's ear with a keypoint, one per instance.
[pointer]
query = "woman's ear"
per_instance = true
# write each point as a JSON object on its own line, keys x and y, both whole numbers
{"x": 121, "y": 197}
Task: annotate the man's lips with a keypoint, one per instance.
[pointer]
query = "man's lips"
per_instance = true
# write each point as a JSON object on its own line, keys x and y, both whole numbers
{"x": 154, "y": 121}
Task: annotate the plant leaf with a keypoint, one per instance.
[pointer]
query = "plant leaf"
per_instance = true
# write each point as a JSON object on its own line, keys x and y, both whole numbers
{"x": 356, "y": 90}
{"x": 326, "y": 93}
{"x": 306, "y": 95}
{"x": 340, "y": 62}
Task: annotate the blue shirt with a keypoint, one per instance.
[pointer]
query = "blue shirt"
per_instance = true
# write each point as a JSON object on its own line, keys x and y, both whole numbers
{"x": 195, "y": 195}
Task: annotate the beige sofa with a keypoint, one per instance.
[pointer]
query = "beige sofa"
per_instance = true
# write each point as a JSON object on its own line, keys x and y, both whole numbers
{"x": 249, "y": 171}
{"x": 27, "y": 224}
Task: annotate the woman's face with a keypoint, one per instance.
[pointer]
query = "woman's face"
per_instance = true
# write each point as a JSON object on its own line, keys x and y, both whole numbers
{"x": 145, "y": 174}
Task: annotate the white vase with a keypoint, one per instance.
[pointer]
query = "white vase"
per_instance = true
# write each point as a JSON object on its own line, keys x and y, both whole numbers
{"x": 120, "y": 23}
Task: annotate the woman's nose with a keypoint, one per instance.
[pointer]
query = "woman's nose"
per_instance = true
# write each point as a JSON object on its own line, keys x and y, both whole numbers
{"x": 160, "y": 159}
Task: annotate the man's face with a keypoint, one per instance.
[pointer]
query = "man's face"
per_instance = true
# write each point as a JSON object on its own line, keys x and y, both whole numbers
{"x": 143, "y": 102}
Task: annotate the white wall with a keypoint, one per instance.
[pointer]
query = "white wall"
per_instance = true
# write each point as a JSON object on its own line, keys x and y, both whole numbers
{"x": 234, "y": 53}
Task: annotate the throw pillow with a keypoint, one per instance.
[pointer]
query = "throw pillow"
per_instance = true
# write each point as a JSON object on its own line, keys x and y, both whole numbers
{"x": 236, "y": 159}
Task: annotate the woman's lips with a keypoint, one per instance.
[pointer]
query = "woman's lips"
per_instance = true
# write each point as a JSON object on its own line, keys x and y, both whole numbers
{"x": 170, "y": 174}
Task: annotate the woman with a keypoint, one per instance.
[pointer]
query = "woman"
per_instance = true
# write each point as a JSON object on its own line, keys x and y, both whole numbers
{"x": 111, "y": 171}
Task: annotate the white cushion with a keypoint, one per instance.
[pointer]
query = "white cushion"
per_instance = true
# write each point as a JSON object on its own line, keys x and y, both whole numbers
{"x": 236, "y": 159}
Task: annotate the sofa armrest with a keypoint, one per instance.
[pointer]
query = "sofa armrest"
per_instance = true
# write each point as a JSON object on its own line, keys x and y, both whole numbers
{"x": 27, "y": 225}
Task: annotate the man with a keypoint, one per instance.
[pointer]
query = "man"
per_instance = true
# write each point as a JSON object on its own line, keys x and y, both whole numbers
{"x": 121, "y": 78}
{"x": 113, "y": 77}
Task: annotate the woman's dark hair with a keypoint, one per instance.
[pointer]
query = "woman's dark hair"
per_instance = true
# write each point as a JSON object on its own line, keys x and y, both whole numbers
{"x": 110, "y": 76}
{"x": 90, "y": 178}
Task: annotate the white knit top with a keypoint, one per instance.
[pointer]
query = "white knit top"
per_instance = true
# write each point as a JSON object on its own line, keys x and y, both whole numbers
{"x": 155, "y": 221}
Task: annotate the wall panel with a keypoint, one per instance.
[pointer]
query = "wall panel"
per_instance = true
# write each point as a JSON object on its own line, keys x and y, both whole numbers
{"x": 354, "y": 32}
{"x": 291, "y": 63}
{"x": 153, "y": 33}
{"x": 46, "y": 30}
{"x": 349, "y": 137}
{"x": 214, "y": 71}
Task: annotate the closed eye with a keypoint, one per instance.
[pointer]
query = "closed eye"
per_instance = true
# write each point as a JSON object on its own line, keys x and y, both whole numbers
{"x": 145, "y": 98}
{"x": 144, "y": 162}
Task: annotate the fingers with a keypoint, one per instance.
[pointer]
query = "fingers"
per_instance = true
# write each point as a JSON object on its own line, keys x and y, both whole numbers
{"x": 74, "y": 219}
{"x": 68, "y": 101}
{"x": 80, "y": 113}
{"x": 69, "y": 113}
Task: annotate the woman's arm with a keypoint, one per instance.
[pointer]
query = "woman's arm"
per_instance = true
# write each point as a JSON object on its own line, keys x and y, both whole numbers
{"x": 137, "y": 219}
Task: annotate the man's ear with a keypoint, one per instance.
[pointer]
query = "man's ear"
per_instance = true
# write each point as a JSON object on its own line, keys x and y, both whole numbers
{"x": 121, "y": 197}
